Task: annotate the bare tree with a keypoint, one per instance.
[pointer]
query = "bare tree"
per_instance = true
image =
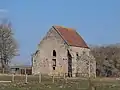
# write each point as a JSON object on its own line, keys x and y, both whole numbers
{"x": 108, "y": 59}
{"x": 8, "y": 45}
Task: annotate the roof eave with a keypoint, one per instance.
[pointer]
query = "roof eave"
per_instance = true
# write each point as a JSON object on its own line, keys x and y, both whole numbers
{"x": 79, "y": 46}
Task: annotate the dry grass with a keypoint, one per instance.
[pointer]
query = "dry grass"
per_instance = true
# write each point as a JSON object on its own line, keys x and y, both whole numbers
{"x": 60, "y": 83}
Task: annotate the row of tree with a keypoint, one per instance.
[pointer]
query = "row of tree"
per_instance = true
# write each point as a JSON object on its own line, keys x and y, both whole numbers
{"x": 107, "y": 59}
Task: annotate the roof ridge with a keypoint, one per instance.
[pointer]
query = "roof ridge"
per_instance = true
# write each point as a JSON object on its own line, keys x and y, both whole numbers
{"x": 64, "y": 27}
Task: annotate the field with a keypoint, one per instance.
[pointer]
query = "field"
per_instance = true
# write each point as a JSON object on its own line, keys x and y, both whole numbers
{"x": 59, "y": 83}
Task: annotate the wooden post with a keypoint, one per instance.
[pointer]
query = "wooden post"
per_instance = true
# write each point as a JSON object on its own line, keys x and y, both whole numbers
{"x": 93, "y": 88}
{"x": 13, "y": 78}
{"x": 39, "y": 77}
{"x": 25, "y": 71}
{"x": 66, "y": 79}
{"x": 3, "y": 70}
{"x": 26, "y": 78}
{"x": 53, "y": 78}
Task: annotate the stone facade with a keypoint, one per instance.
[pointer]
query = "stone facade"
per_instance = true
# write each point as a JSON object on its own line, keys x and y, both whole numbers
{"x": 42, "y": 61}
{"x": 52, "y": 56}
{"x": 83, "y": 61}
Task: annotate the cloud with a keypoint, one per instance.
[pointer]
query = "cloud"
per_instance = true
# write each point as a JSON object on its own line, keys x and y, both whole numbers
{"x": 3, "y": 11}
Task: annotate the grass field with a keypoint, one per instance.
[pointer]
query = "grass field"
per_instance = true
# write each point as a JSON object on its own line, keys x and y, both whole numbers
{"x": 59, "y": 84}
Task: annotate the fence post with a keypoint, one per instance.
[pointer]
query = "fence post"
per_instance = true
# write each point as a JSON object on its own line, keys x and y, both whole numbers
{"x": 26, "y": 77}
{"x": 53, "y": 78}
{"x": 25, "y": 71}
{"x": 39, "y": 77}
{"x": 3, "y": 70}
{"x": 13, "y": 77}
{"x": 65, "y": 78}
{"x": 93, "y": 88}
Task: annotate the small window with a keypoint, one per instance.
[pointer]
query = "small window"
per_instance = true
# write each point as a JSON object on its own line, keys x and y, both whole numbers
{"x": 106, "y": 58}
{"x": 53, "y": 68}
{"x": 77, "y": 56}
{"x": 34, "y": 60}
{"x": 76, "y": 53}
{"x": 54, "y": 62}
{"x": 54, "y": 53}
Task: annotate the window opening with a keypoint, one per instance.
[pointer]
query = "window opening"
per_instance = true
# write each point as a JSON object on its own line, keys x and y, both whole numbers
{"x": 54, "y": 53}
{"x": 54, "y": 63}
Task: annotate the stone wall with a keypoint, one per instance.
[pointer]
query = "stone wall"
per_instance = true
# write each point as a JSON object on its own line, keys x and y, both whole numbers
{"x": 83, "y": 63}
{"x": 43, "y": 60}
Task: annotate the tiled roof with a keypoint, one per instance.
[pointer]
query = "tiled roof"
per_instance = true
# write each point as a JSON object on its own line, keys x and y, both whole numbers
{"x": 71, "y": 36}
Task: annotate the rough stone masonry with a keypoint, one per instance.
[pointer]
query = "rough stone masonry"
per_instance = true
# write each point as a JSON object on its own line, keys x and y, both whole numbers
{"x": 61, "y": 51}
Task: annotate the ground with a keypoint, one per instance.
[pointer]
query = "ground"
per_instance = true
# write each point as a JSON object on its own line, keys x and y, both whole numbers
{"x": 59, "y": 84}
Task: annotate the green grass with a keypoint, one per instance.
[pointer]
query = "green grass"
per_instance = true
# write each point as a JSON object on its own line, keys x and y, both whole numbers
{"x": 59, "y": 84}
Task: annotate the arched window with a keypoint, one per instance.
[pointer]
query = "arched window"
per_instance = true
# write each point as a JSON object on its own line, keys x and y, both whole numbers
{"x": 54, "y": 53}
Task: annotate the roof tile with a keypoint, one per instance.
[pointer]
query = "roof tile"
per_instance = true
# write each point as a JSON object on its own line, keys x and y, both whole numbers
{"x": 71, "y": 36}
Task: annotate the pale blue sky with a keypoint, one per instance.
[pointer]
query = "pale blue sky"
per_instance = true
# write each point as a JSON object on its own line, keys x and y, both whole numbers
{"x": 97, "y": 21}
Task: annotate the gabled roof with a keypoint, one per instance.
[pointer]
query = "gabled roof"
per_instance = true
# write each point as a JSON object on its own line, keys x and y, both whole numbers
{"x": 71, "y": 37}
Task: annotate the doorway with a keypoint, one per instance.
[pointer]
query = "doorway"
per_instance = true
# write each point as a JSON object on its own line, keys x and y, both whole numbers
{"x": 54, "y": 60}
{"x": 69, "y": 64}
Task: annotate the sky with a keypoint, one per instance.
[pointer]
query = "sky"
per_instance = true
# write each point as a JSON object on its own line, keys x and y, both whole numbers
{"x": 97, "y": 21}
